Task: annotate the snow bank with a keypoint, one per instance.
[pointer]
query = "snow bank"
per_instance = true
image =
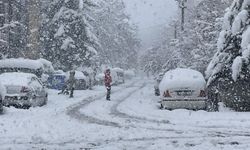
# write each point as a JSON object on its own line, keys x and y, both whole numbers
{"x": 179, "y": 78}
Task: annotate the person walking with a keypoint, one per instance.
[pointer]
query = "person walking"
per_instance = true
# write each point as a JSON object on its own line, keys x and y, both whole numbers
{"x": 71, "y": 83}
{"x": 107, "y": 82}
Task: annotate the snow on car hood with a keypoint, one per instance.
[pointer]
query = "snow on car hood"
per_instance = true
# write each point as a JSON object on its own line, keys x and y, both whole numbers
{"x": 182, "y": 78}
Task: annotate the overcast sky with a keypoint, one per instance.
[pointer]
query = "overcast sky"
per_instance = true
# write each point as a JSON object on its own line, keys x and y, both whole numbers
{"x": 150, "y": 14}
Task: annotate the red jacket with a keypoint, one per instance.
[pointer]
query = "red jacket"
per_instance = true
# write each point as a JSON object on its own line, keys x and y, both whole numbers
{"x": 107, "y": 79}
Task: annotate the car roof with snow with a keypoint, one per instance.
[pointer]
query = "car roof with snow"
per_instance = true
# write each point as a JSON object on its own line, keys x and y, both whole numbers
{"x": 180, "y": 77}
{"x": 118, "y": 70}
{"x": 20, "y": 63}
{"x": 78, "y": 75}
{"x": 16, "y": 78}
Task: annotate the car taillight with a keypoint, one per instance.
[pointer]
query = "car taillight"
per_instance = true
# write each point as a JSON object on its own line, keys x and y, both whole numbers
{"x": 202, "y": 93}
{"x": 25, "y": 89}
{"x": 166, "y": 94}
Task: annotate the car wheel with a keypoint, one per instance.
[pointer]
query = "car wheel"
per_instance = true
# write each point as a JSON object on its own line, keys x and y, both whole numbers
{"x": 45, "y": 100}
{"x": 1, "y": 110}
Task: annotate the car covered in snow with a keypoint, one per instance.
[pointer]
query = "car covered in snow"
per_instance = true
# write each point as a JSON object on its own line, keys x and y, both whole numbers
{"x": 40, "y": 67}
{"x": 57, "y": 80}
{"x": 82, "y": 82}
{"x": 23, "y": 90}
{"x": 21, "y": 65}
{"x": 183, "y": 88}
{"x": 118, "y": 76}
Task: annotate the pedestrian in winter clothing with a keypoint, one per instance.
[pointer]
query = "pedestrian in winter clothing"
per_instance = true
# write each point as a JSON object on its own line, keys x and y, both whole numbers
{"x": 107, "y": 82}
{"x": 69, "y": 86}
{"x": 71, "y": 83}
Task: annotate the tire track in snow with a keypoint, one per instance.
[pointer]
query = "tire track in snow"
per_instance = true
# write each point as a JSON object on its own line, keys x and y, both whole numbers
{"x": 116, "y": 112}
{"x": 74, "y": 110}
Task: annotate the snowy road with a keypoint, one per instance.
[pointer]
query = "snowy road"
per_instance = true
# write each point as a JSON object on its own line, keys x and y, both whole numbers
{"x": 131, "y": 120}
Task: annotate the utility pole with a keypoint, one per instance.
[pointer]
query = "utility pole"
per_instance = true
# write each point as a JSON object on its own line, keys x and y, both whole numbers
{"x": 182, "y": 7}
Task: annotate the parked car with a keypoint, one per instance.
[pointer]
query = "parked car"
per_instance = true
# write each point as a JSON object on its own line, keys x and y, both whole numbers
{"x": 57, "y": 80}
{"x": 21, "y": 65}
{"x": 118, "y": 75}
{"x": 23, "y": 90}
{"x": 183, "y": 88}
{"x": 82, "y": 82}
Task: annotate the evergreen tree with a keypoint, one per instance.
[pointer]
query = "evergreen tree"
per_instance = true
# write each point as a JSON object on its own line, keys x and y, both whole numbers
{"x": 229, "y": 67}
{"x": 67, "y": 36}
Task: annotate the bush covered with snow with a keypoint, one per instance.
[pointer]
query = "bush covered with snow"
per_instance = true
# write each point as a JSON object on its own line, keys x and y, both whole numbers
{"x": 229, "y": 67}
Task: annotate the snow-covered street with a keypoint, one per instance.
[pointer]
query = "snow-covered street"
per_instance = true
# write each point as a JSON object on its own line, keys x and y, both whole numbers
{"x": 131, "y": 120}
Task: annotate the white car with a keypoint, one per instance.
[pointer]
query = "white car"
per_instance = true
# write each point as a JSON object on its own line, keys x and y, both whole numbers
{"x": 183, "y": 89}
{"x": 23, "y": 90}
{"x": 82, "y": 82}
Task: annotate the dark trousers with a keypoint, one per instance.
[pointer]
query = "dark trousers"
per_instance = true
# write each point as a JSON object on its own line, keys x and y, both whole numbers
{"x": 108, "y": 92}
{"x": 71, "y": 92}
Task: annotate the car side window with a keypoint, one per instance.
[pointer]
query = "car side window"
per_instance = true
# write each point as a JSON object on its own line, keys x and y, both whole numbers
{"x": 35, "y": 82}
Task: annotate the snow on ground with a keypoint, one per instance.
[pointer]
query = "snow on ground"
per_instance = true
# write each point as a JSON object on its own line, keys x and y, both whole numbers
{"x": 130, "y": 121}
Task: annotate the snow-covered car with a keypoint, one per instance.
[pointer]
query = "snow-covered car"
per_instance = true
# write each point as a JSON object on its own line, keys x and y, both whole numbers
{"x": 117, "y": 75}
{"x": 21, "y": 65}
{"x": 23, "y": 90}
{"x": 57, "y": 80}
{"x": 129, "y": 74}
{"x": 82, "y": 82}
{"x": 42, "y": 68}
{"x": 183, "y": 88}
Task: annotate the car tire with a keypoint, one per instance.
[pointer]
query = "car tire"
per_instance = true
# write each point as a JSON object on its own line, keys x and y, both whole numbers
{"x": 45, "y": 100}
